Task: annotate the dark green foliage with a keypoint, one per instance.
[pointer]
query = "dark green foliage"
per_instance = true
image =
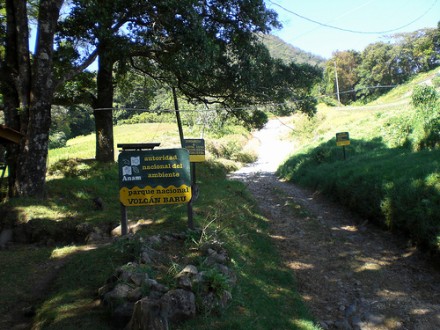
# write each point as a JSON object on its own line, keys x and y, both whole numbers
{"x": 69, "y": 122}
{"x": 382, "y": 65}
{"x": 345, "y": 63}
{"x": 57, "y": 140}
{"x": 426, "y": 101}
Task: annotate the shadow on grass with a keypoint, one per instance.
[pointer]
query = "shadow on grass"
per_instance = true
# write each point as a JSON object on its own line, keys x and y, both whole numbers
{"x": 265, "y": 297}
{"x": 69, "y": 212}
{"x": 395, "y": 188}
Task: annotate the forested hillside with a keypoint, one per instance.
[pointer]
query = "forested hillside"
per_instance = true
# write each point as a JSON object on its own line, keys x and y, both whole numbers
{"x": 364, "y": 76}
{"x": 278, "y": 48}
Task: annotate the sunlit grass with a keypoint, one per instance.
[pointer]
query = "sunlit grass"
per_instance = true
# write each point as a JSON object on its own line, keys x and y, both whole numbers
{"x": 382, "y": 178}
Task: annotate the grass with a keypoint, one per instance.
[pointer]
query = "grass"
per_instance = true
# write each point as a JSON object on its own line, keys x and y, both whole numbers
{"x": 383, "y": 178}
{"x": 265, "y": 296}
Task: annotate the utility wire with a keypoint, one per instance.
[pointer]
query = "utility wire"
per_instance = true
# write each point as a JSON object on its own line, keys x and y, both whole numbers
{"x": 248, "y": 108}
{"x": 350, "y": 30}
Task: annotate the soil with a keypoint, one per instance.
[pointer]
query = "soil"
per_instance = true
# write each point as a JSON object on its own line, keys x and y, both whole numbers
{"x": 351, "y": 274}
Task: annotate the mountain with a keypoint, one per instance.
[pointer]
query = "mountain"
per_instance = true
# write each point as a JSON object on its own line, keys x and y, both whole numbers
{"x": 278, "y": 48}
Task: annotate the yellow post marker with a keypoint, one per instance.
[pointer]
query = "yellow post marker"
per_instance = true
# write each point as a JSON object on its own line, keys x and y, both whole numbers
{"x": 342, "y": 140}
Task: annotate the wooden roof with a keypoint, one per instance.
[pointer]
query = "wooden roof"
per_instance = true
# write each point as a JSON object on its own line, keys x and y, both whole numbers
{"x": 8, "y": 135}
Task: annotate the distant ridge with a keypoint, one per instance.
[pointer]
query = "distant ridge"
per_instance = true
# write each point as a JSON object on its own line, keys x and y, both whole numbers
{"x": 278, "y": 48}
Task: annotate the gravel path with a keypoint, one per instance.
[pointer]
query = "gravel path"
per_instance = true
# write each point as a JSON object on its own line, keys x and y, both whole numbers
{"x": 350, "y": 274}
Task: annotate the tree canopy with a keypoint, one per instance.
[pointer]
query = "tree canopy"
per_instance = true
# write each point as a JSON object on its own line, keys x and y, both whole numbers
{"x": 382, "y": 65}
{"x": 209, "y": 50}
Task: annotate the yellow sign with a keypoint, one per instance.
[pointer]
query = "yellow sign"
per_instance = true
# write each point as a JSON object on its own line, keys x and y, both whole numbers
{"x": 196, "y": 149}
{"x": 154, "y": 195}
{"x": 342, "y": 139}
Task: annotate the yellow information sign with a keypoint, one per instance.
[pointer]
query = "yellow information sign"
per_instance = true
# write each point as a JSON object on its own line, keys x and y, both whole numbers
{"x": 196, "y": 149}
{"x": 154, "y": 195}
{"x": 342, "y": 139}
{"x": 153, "y": 177}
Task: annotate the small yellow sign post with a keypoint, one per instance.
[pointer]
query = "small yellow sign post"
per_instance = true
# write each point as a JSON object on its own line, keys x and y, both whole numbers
{"x": 342, "y": 140}
{"x": 196, "y": 149}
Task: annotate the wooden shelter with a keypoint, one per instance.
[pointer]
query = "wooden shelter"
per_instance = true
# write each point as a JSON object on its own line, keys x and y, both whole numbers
{"x": 7, "y": 136}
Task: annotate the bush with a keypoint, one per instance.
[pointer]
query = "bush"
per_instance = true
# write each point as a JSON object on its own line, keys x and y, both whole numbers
{"x": 426, "y": 134}
{"x": 57, "y": 140}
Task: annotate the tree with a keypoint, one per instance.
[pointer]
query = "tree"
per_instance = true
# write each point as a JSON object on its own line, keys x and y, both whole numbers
{"x": 376, "y": 71}
{"x": 346, "y": 63}
{"x": 418, "y": 50}
{"x": 208, "y": 50}
{"x": 27, "y": 86}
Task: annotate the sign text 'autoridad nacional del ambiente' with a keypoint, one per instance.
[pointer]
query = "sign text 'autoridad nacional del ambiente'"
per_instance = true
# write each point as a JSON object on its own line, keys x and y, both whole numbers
{"x": 153, "y": 177}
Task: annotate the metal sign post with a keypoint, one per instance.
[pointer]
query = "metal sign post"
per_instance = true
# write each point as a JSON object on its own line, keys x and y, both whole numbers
{"x": 342, "y": 140}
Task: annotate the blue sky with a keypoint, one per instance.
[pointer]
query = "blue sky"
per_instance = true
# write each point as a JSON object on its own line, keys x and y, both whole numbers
{"x": 356, "y": 15}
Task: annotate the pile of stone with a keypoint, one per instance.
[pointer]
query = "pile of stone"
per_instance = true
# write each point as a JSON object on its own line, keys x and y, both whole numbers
{"x": 139, "y": 301}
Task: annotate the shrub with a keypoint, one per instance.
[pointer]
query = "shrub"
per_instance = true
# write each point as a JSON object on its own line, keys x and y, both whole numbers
{"x": 57, "y": 140}
{"x": 426, "y": 133}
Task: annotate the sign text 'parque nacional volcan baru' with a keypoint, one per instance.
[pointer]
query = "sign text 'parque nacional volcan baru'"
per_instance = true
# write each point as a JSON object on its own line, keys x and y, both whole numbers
{"x": 153, "y": 177}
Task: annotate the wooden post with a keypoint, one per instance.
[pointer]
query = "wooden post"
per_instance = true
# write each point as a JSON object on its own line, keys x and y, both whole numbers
{"x": 124, "y": 226}
{"x": 182, "y": 143}
{"x": 179, "y": 121}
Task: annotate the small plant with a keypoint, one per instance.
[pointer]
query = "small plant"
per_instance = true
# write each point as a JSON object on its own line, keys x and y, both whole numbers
{"x": 169, "y": 277}
{"x": 216, "y": 282}
{"x": 129, "y": 247}
{"x": 69, "y": 168}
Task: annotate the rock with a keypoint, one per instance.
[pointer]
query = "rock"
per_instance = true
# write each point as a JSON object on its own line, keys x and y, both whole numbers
{"x": 216, "y": 256}
{"x": 187, "y": 276}
{"x": 156, "y": 286}
{"x": 214, "y": 245}
{"x": 154, "y": 240}
{"x": 189, "y": 269}
{"x": 5, "y": 237}
{"x": 149, "y": 255}
{"x": 184, "y": 282}
{"x": 147, "y": 316}
{"x": 178, "y": 305}
{"x": 120, "y": 292}
{"x": 98, "y": 203}
{"x": 350, "y": 310}
{"x": 28, "y": 311}
{"x": 138, "y": 278}
{"x": 104, "y": 289}
{"x": 121, "y": 315}
{"x": 343, "y": 325}
{"x": 94, "y": 237}
{"x": 135, "y": 294}
{"x": 227, "y": 272}
{"x": 132, "y": 227}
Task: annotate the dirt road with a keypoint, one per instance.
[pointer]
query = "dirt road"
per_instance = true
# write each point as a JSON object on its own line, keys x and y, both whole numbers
{"x": 350, "y": 274}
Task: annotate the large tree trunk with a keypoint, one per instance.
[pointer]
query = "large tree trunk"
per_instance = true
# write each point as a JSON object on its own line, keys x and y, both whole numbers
{"x": 103, "y": 108}
{"x": 33, "y": 89}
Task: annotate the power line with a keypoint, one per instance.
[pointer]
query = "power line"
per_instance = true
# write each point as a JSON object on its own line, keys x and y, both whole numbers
{"x": 350, "y": 30}
{"x": 247, "y": 108}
